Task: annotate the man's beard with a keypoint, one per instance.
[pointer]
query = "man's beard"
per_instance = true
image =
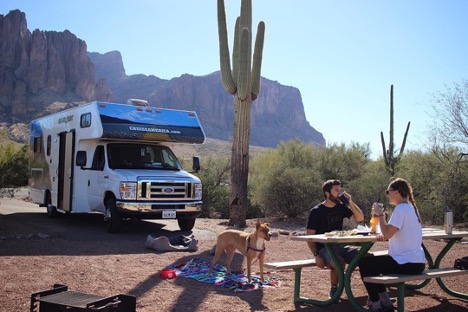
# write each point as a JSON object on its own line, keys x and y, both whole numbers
{"x": 334, "y": 199}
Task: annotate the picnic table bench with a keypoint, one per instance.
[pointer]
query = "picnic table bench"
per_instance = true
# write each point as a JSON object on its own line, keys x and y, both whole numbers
{"x": 295, "y": 264}
{"x": 400, "y": 279}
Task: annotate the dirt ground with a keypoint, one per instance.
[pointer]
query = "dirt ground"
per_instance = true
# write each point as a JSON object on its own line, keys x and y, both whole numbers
{"x": 79, "y": 253}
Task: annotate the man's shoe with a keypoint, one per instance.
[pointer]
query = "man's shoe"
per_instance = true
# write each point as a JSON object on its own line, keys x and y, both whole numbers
{"x": 388, "y": 308}
{"x": 333, "y": 291}
{"x": 383, "y": 308}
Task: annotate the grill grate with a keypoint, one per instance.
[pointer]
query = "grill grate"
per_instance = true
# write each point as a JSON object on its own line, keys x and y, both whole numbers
{"x": 60, "y": 299}
{"x": 71, "y": 299}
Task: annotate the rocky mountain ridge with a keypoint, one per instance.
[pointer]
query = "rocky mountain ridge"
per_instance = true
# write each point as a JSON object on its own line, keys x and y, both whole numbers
{"x": 46, "y": 71}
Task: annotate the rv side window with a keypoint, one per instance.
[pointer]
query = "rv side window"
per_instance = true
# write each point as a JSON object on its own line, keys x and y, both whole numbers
{"x": 49, "y": 142}
{"x": 99, "y": 160}
{"x": 37, "y": 144}
{"x": 85, "y": 120}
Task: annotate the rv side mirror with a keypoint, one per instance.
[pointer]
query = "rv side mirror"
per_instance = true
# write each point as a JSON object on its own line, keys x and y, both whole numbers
{"x": 81, "y": 159}
{"x": 196, "y": 163}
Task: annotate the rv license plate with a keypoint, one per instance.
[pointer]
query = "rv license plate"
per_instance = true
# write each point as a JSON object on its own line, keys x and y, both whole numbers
{"x": 169, "y": 214}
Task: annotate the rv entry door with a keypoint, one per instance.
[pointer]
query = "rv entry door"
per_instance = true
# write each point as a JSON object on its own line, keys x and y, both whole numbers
{"x": 65, "y": 170}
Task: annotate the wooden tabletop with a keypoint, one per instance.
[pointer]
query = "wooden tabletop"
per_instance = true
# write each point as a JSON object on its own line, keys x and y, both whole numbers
{"x": 427, "y": 234}
{"x": 440, "y": 234}
{"x": 322, "y": 238}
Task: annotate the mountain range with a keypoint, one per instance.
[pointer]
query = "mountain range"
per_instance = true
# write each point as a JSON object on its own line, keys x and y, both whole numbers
{"x": 42, "y": 72}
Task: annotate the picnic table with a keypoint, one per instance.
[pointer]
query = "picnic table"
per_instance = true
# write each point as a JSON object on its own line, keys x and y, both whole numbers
{"x": 366, "y": 242}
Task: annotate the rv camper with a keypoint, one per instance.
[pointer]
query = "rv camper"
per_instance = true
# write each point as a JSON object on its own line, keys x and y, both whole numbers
{"x": 115, "y": 159}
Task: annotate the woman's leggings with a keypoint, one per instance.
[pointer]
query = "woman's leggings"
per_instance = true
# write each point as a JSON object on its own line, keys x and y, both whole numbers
{"x": 375, "y": 265}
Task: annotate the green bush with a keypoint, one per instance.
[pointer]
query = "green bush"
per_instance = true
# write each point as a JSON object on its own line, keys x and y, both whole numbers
{"x": 283, "y": 181}
{"x": 215, "y": 176}
{"x": 439, "y": 179}
{"x": 338, "y": 161}
{"x": 291, "y": 192}
{"x": 14, "y": 166}
{"x": 369, "y": 187}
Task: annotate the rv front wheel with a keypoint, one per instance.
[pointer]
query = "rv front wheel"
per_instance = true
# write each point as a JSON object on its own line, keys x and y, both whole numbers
{"x": 186, "y": 224}
{"x": 113, "y": 219}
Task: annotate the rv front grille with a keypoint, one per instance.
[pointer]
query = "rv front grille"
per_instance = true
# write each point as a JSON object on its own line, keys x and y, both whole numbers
{"x": 165, "y": 190}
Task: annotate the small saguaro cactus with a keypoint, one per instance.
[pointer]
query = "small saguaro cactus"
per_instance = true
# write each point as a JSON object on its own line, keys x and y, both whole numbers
{"x": 388, "y": 154}
{"x": 243, "y": 82}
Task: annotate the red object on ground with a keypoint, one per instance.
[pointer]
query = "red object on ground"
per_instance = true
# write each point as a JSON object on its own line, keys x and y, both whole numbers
{"x": 167, "y": 273}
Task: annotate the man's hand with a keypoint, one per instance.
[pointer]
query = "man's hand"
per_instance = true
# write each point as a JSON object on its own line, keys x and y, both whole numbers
{"x": 319, "y": 262}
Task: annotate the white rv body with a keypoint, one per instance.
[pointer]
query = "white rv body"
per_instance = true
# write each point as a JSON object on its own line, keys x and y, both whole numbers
{"x": 115, "y": 159}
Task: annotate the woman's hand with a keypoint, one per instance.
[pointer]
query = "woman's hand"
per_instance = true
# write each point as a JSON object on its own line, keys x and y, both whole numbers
{"x": 377, "y": 209}
{"x": 380, "y": 237}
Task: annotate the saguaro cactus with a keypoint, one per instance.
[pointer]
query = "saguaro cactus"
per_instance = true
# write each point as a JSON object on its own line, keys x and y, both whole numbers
{"x": 388, "y": 154}
{"x": 243, "y": 82}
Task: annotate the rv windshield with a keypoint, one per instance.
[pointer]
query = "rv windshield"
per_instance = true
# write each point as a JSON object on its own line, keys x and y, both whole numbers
{"x": 141, "y": 156}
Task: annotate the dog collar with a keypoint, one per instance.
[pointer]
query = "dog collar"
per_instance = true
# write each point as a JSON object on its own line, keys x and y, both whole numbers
{"x": 254, "y": 249}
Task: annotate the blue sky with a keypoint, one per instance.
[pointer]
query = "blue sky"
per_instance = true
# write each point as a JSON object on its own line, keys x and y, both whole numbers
{"x": 342, "y": 55}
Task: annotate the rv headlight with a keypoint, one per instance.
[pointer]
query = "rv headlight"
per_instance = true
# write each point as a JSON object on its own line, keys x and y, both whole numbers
{"x": 128, "y": 190}
{"x": 198, "y": 191}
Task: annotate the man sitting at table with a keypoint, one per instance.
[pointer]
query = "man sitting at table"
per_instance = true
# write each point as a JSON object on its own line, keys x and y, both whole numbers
{"x": 326, "y": 217}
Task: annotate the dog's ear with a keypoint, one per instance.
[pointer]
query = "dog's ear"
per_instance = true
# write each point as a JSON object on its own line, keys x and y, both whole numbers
{"x": 258, "y": 224}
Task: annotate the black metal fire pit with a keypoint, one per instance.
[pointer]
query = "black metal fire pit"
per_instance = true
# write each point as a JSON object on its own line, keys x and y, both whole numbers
{"x": 60, "y": 299}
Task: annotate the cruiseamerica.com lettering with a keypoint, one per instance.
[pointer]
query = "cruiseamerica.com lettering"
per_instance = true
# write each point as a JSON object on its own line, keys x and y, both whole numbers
{"x": 146, "y": 129}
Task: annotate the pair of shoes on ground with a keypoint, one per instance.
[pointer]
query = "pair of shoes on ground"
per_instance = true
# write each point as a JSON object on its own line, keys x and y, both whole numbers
{"x": 381, "y": 308}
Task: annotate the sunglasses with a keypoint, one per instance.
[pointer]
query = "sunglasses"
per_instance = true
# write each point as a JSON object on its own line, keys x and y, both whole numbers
{"x": 388, "y": 191}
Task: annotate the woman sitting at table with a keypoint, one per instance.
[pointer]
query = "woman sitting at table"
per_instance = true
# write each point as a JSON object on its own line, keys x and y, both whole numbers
{"x": 404, "y": 232}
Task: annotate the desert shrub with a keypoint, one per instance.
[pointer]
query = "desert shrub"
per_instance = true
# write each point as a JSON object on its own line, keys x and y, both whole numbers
{"x": 13, "y": 167}
{"x": 338, "y": 161}
{"x": 254, "y": 212}
{"x": 216, "y": 192}
{"x": 438, "y": 180}
{"x": 369, "y": 187}
{"x": 291, "y": 192}
{"x": 282, "y": 181}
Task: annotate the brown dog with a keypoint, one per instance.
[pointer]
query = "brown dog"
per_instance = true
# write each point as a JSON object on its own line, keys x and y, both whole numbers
{"x": 250, "y": 245}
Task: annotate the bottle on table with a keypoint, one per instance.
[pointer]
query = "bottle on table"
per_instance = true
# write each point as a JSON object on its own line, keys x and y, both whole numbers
{"x": 448, "y": 220}
{"x": 374, "y": 221}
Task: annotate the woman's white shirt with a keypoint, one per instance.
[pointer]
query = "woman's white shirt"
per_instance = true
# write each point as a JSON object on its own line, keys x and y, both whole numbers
{"x": 405, "y": 245}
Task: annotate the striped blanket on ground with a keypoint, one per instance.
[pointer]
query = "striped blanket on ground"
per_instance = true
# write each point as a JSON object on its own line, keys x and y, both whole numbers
{"x": 197, "y": 269}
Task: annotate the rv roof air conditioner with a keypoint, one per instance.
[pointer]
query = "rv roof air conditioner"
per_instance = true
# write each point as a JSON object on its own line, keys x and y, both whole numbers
{"x": 137, "y": 102}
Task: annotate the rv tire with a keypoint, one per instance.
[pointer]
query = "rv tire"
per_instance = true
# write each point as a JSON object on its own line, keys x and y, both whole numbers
{"x": 113, "y": 218}
{"x": 51, "y": 210}
{"x": 186, "y": 224}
